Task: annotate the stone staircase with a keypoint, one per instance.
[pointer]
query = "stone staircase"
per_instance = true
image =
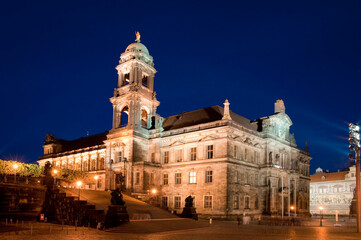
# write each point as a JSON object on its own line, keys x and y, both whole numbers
{"x": 72, "y": 211}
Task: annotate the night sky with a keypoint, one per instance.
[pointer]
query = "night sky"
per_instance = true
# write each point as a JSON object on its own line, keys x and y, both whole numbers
{"x": 58, "y": 59}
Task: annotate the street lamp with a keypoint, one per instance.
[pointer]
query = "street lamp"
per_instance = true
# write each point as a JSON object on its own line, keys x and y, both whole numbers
{"x": 321, "y": 208}
{"x": 15, "y": 166}
{"x": 96, "y": 177}
{"x": 292, "y": 208}
{"x": 79, "y": 183}
{"x": 55, "y": 172}
{"x": 354, "y": 140}
{"x": 154, "y": 191}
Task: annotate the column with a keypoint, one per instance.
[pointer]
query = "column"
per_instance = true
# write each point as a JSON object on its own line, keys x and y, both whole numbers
{"x": 289, "y": 197}
{"x": 282, "y": 200}
{"x": 115, "y": 117}
{"x": 294, "y": 197}
{"x": 120, "y": 79}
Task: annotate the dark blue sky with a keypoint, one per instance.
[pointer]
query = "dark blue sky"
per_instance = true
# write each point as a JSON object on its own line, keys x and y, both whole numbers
{"x": 57, "y": 61}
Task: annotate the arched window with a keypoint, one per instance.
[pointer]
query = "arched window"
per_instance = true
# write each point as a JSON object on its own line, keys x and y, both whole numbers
{"x": 124, "y": 117}
{"x": 144, "y": 117}
{"x": 101, "y": 164}
{"x": 145, "y": 80}
{"x": 92, "y": 165}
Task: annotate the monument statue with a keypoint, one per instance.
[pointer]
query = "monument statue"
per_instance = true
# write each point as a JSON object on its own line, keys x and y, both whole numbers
{"x": 189, "y": 201}
{"x": 117, "y": 198}
{"x": 189, "y": 211}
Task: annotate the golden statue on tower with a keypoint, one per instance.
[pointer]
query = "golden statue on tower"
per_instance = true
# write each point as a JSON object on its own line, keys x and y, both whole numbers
{"x": 137, "y": 36}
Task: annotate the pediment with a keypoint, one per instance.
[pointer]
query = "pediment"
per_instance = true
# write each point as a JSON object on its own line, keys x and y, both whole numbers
{"x": 176, "y": 143}
{"x": 207, "y": 138}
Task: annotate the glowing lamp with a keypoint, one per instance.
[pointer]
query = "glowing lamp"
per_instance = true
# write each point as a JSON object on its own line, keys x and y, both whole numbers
{"x": 321, "y": 208}
{"x": 154, "y": 191}
{"x": 15, "y": 166}
{"x": 96, "y": 177}
{"x": 55, "y": 171}
{"x": 79, "y": 183}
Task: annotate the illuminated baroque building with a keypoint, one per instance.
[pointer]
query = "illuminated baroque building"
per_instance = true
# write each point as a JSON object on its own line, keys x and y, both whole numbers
{"x": 229, "y": 164}
{"x": 332, "y": 191}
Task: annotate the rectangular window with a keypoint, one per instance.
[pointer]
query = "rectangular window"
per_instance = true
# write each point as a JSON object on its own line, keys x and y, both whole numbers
{"x": 178, "y": 178}
{"x": 246, "y": 202}
{"x": 193, "y": 153}
{"x": 207, "y": 201}
{"x": 179, "y": 155}
{"x": 192, "y": 177}
{"x": 256, "y": 203}
{"x": 137, "y": 178}
{"x": 152, "y": 158}
{"x": 164, "y": 202}
{"x": 246, "y": 154}
{"x": 235, "y": 150}
{"x": 151, "y": 181}
{"x": 210, "y": 152}
{"x": 166, "y": 157}
{"x": 236, "y": 177}
{"x": 236, "y": 202}
{"x": 165, "y": 179}
{"x": 209, "y": 176}
{"x": 177, "y": 202}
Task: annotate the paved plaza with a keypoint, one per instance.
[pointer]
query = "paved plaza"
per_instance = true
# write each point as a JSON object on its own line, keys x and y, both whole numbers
{"x": 148, "y": 222}
{"x": 177, "y": 229}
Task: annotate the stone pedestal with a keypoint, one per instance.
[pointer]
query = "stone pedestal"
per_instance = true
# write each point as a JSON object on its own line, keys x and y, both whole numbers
{"x": 116, "y": 215}
{"x": 189, "y": 212}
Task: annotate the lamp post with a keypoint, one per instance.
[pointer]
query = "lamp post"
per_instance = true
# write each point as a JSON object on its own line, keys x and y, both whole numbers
{"x": 79, "y": 183}
{"x": 96, "y": 177}
{"x": 55, "y": 172}
{"x": 321, "y": 212}
{"x": 154, "y": 193}
{"x": 15, "y": 167}
{"x": 354, "y": 140}
{"x": 292, "y": 208}
{"x": 125, "y": 177}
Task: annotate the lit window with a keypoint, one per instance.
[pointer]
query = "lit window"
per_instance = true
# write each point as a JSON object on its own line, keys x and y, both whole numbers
{"x": 192, "y": 177}
{"x": 207, "y": 201}
{"x": 210, "y": 152}
{"x": 209, "y": 176}
{"x": 177, "y": 202}
{"x": 178, "y": 178}
{"x": 179, "y": 155}
{"x": 193, "y": 154}
{"x": 165, "y": 179}
{"x": 166, "y": 157}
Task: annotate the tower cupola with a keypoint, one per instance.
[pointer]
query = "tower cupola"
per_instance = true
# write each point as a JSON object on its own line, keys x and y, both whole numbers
{"x": 134, "y": 101}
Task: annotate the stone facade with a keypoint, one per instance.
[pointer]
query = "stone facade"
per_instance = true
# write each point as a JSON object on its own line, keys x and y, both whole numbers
{"x": 332, "y": 191}
{"x": 229, "y": 164}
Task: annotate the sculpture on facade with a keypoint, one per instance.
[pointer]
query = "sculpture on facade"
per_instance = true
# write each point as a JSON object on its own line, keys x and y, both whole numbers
{"x": 137, "y": 36}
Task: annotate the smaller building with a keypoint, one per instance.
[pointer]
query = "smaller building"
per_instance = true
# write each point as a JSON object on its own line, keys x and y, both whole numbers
{"x": 333, "y": 191}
